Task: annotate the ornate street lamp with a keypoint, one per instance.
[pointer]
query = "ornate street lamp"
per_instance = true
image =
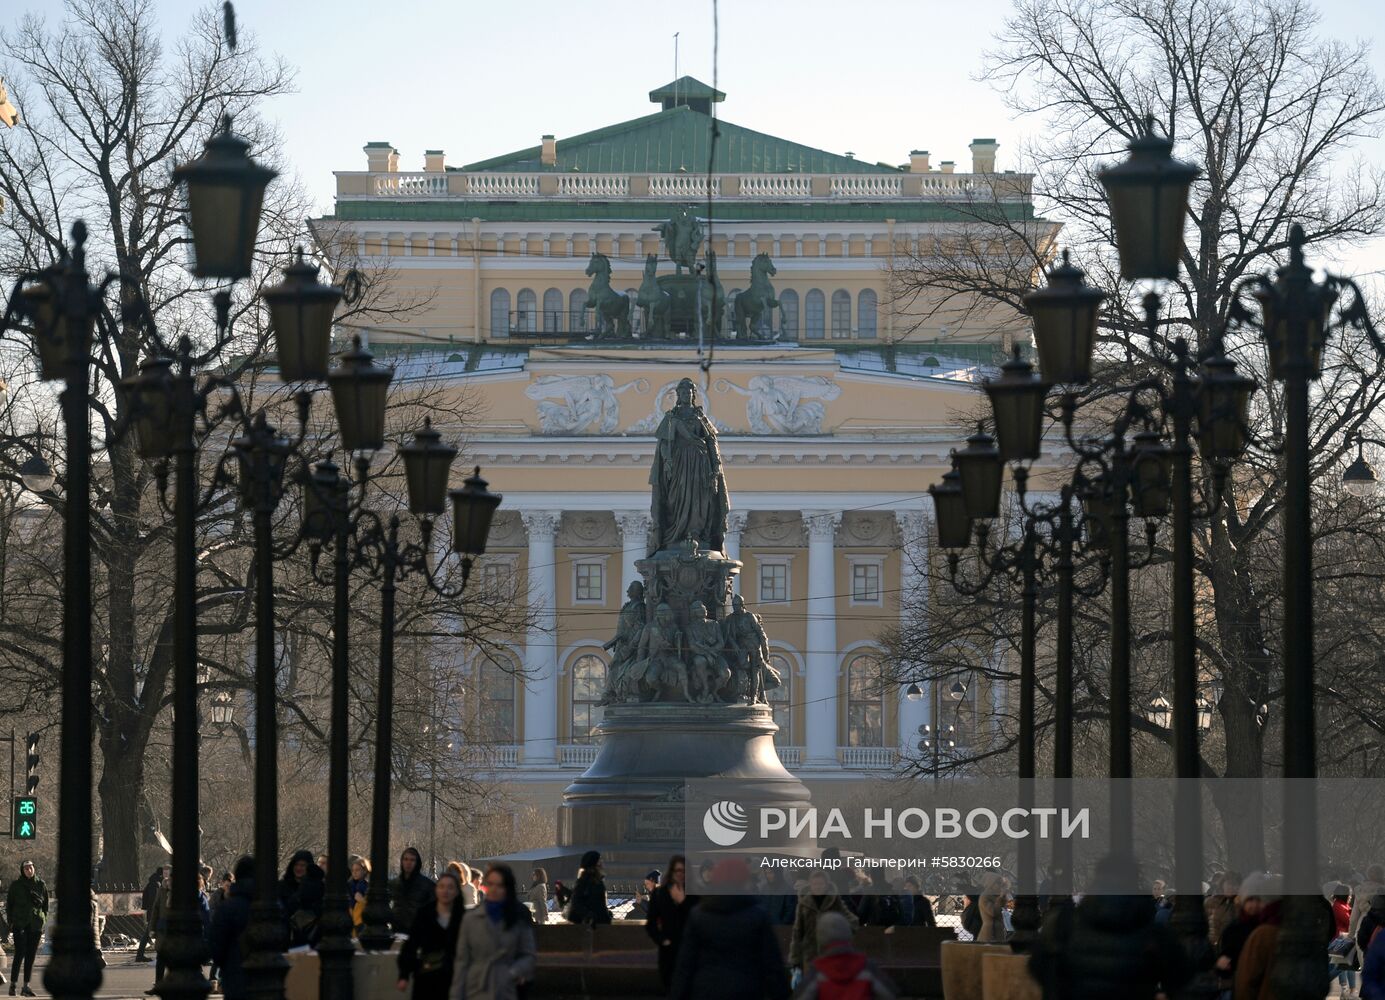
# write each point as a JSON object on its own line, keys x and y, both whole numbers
{"x": 225, "y": 192}
{"x": 473, "y": 508}
{"x": 358, "y": 394}
{"x": 1065, "y": 318}
{"x": 1017, "y": 402}
{"x": 913, "y": 692}
{"x": 1359, "y": 479}
{"x": 1148, "y": 195}
{"x": 1223, "y": 398}
{"x": 36, "y": 474}
{"x": 950, "y": 509}
{"x": 300, "y": 310}
{"x": 151, "y": 394}
{"x": 1160, "y": 712}
{"x": 981, "y": 472}
{"x": 427, "y": 464}
{"x": 1152, "y": 465}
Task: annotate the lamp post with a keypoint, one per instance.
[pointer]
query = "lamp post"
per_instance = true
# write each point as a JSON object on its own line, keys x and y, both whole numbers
{"x": 374, "y": 544}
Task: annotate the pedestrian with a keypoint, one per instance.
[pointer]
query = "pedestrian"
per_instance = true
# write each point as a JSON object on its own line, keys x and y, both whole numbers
{"x": 639, "y": 908}
{"x": 357, "y": 891}
{"x": 159, "y": 917}
{"x": 729, "y": 951}
{"x": 1221, "y": 906}
{"x": 430, "y": 951}
{"x": 478, "y": 889}
{"x": 301, "y": 893}
{"x": 970, "y": 919}
{"x": 1362, "y": 895}
{"x": 1261, "y": 948}
{"x": 1109, "y": 944}
{"x": 669, "y": 906}
{"x": 1373, "y": 954}
{"x": 841, "y": 970}
{"x": 1257, "y": 889}
{"x": 818, "y": 898}
{"x": 916, "y": 909}
{"x": 991, "y": 905}
{"x": 26, "y": 907}
{"x": 410, "y": 892}
{"x": 1371, "y": 921}
{"x": 538, "y": 894}
{"x": 463, "y": 872}
{"x": 1163, "y": 903}
{"x": 588, "y": 904}
{"x": 1341, "y": 953}
{"x": 221, "y": 894}
{"x": 562, "y": 895}
{"x": 496, "y": 955}
{"x": 151, "y": 893}
{"x": 228, "y": 925}
{"x": 778, "y": 898}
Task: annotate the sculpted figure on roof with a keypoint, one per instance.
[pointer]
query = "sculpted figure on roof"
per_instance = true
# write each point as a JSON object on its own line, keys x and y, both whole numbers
{"x": 682, "y": 235}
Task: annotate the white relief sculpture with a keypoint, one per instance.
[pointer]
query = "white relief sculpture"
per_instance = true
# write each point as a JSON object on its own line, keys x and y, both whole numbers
{"x": 785, "y": 404}
{"x": 663, "y": 401}
{"x": 571, "y": 404}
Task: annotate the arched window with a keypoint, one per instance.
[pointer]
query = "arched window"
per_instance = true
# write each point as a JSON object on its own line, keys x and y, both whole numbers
{"x": 588, "y": 684}
{"x": 527, "y": 311}
{"x": 495, "y": 716}
{"x": 865, "y": 703}
{"x": 577, "y": 311}
{"x": 865, "y": 314}
{"x": 814, "y": 315}
{"x": 781, "y": 699}
{"x": 788, "y": 314}
{"x": 841, "y": 314}
{"x": 552, "y": 311}
{"x": 500, "y": 313}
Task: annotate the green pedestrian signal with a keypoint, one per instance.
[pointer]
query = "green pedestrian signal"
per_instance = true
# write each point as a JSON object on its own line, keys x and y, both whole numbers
{"x": 25, "y": 819}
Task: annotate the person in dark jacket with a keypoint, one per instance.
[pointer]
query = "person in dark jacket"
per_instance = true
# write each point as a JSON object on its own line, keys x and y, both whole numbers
{"x": 26, "y": 908}
{"x": 218, "y": 896}
{"x": 729, "y": 950}
{"x": 151, "y": 893}
{"x": 410, "y": 892}
{"x": 300, "y": 896}
{"x": 228, "y": 925}
{"x": 1109, "y": 945}
{"x": 1373, "y": 919}
{"x": 1373, "y": 962}
{"x": 915, "y": 909}
{"x": 1257, "y": 891}
{"x": 669, "y": 906}
{"x": 431, "y": 949}
{"x": 840, "y": 969}
{"x": 589, "y": 895}
{"x": 778, "y": 898}
{"x": 817, "y": 899}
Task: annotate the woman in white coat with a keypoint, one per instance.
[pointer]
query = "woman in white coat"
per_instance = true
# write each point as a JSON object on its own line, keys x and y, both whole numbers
{"x": 495, "y": 948}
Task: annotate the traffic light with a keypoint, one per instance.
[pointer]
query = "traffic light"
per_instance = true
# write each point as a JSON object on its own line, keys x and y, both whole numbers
{"x": 31, "y": 770}
{"x": 25, "y": 819}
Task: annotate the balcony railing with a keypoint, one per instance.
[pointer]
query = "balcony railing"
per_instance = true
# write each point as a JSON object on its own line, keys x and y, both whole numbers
{"x": 867, "y": 758}
{"x": 790, "y": 756}
{"x": 691, "y": 186}
{"x": 576, "y": 754}
{"x": 492, "y": 756}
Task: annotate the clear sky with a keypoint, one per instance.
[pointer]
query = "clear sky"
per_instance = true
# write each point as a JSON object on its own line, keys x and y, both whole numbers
{"x": 476, "y": 79}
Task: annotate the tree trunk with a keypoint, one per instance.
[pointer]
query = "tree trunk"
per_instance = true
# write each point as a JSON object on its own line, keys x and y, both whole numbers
{"x": 121, "y": 789}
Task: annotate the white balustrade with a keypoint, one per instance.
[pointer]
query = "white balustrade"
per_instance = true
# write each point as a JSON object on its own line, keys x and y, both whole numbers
{"x": 489, "y": 756}
{"x": 776, "y": 186}
{"x": 502, "y": 185}
{"x": 866, "y": 186}
{"x": 409, "y": 185}
{"x": 867, "y": 757}
{"x": 950, "y": 185}
{"x": 681, "y": 186}
{"x": 790, "y": 756}
{"x": 593, "y": 185}
{"x": 577, "y": 754}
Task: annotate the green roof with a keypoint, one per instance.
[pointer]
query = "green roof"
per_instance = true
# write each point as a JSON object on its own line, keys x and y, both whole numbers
{"x": 679, "y": 139}
{"x": 728, "y": 210}
{"x": 686, "y": 87}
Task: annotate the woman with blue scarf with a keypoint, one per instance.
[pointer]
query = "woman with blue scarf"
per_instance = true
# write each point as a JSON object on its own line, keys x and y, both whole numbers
{"x": 495, "y": 950}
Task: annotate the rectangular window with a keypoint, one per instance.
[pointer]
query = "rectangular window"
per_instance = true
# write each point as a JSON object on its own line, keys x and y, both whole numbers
{"x": 865, "y": 582}
{"x": 774, "y": 582}
{"x": 590, "y": 584}
{"x": 495, "y": 576}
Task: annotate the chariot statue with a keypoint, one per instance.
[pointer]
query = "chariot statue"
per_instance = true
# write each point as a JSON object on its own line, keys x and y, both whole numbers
{"x": 683, "y": 236}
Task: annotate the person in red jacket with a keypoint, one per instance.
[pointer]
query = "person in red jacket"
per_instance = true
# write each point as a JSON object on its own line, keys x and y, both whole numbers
{"x": 841, "y": 972}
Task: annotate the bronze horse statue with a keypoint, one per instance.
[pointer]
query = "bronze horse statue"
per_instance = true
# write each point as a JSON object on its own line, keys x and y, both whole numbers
{"x": 612, "y": 308}
{"x": 757, "y": 302}
{"x": 654, "y": 300}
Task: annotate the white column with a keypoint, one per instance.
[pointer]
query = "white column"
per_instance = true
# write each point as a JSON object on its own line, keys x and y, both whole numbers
{"x": 540, "y": 646}
{"x": 913, "y": 601}
{"x": 735, "y": 524}
{"x": 821, "y": 609}
{"x": 634, "y": 536}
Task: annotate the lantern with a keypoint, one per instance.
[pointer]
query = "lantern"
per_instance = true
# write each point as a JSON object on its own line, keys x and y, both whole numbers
{"x": 1017, "y": 402}
{"x": 981, "y": 473}
{"x": 1294, "y": 311}
{"x": 1223, "y": 398}
{"x": 358, "y": 395}
{"x": 1065, "y": 317}
{"x": 225, "y": 190}
{"x": 1152, "y": 465}
{"x": 427, "y": 462}
{"x": 954, "y": 527}
{"x": 151, "y": 399}
{"x": 300, "y": 310}
{"x": 1148, "y": 195}
{"x": 473, "y": 507}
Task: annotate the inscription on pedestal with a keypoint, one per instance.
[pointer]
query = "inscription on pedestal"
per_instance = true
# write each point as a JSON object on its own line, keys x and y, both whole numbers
{"x": 653, "y": 823}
